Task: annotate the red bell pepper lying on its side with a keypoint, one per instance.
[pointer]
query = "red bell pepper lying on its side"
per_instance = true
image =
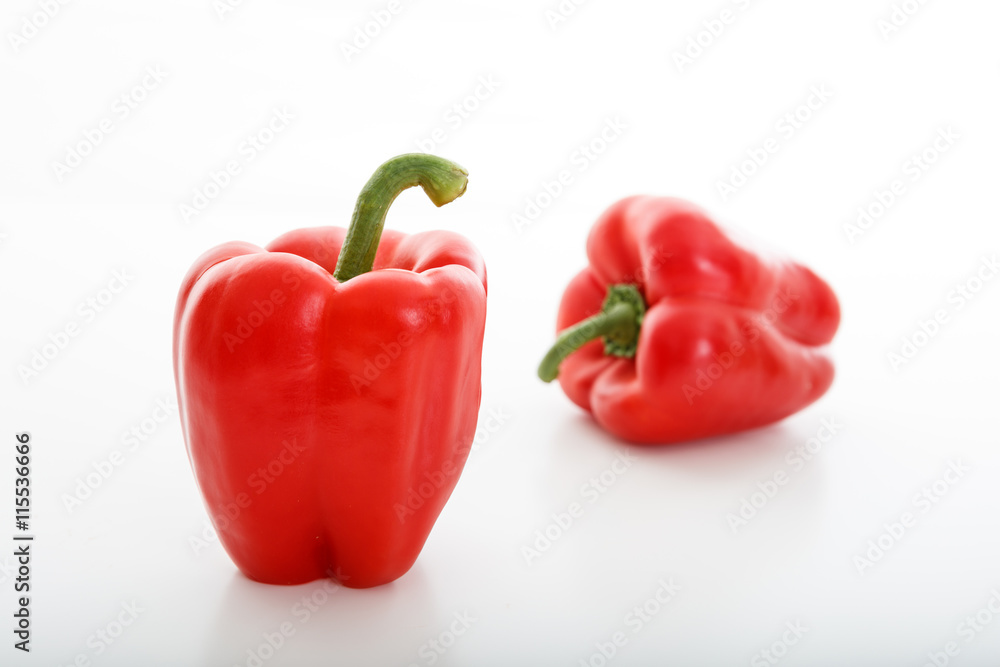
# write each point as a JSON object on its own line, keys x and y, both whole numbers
{"x": 329, "y": 386}
{"x": 674, "y": 332}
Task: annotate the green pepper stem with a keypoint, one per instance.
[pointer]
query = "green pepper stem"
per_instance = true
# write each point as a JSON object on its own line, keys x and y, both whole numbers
{"x": 443, "y": 181}
{"x": 618, "y": 323}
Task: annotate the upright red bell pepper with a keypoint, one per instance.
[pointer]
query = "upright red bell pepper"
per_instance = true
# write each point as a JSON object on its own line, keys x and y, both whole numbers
{"x": 329, "y": 386}
{"x": 675, "y": 332}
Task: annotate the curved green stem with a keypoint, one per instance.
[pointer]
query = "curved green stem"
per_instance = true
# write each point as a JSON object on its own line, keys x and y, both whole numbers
{"x": 443, "y": 181}
{"x": 618, "y": 323}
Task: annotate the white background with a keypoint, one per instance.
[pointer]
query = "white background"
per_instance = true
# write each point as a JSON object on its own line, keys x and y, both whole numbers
{"x": 685, "y": 129}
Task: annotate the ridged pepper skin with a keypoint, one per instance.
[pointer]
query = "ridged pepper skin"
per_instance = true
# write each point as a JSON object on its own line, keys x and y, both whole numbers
{"x": 730, "y": 340}
{"x": 328, "y": 412}
{"x": 327, "y": 432}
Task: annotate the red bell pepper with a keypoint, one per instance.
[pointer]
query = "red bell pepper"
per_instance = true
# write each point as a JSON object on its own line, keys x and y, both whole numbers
{"x": 675, "y": 332}
{"x": 329, "y": 386}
